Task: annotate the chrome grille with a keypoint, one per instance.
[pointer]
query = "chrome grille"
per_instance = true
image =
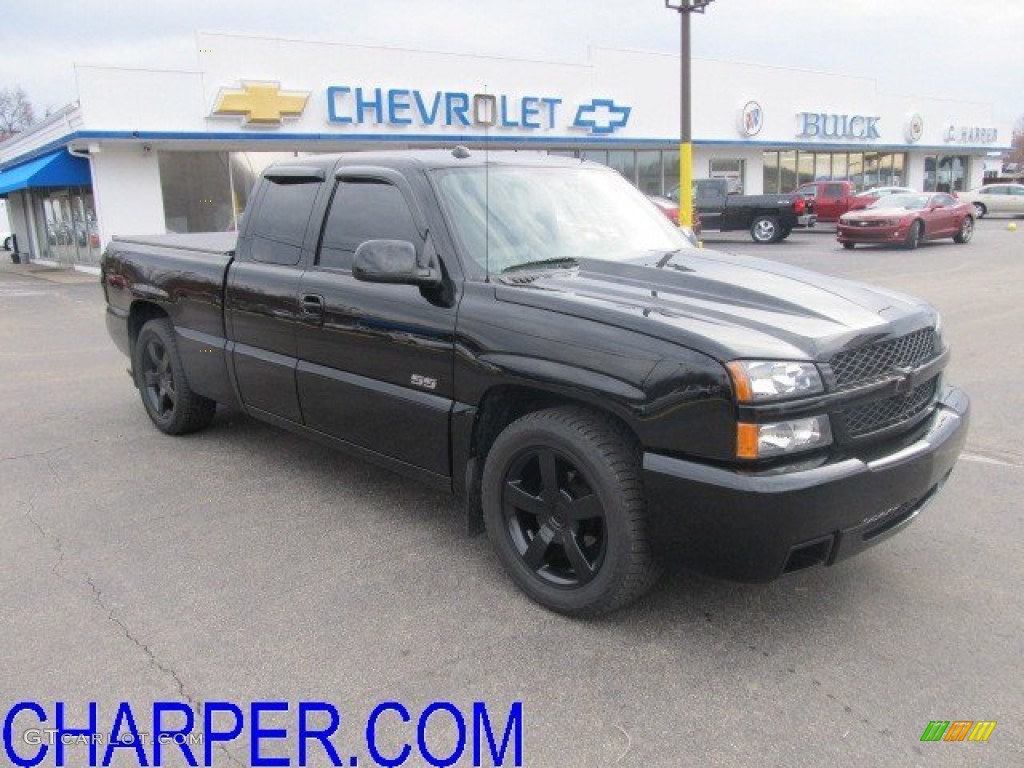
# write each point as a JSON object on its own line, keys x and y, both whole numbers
{"x": 872, "y": 361}
{"x": 871, "y": 417}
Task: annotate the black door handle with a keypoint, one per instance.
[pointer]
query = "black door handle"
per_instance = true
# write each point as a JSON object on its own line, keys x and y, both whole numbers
{"x": 312, "y": 304}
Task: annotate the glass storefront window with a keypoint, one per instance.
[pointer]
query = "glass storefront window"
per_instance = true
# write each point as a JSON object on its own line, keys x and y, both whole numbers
{"x": 839, "y": 166}
{"x": 898, "y": 161}
{"x": 805, "y": 168}
{"x": 623, "y": 161}
{"x": 855, "y": 169}
{"x": 197, "y": 192}
{"x": 787, "y": 171}
{"x": 822, "y": 167}
{"x": 648, "y": 165}
{"x": 730, "y": 169}
{"x": 771, "y": 173}
{"x": 66, "y": 225}
{"x": 670, "y": 164}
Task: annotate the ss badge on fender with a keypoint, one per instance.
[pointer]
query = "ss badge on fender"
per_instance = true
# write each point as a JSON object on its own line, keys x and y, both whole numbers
{"x": 426, "y": 382}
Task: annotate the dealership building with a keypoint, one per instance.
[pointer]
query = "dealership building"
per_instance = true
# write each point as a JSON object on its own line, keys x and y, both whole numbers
{"x": 146, "y": 151}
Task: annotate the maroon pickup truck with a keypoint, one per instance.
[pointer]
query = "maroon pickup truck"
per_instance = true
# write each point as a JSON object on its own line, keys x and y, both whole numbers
{"x": 833, "y": 198}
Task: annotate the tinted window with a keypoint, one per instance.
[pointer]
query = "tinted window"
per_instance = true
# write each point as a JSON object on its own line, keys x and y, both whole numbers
{"x": 364, "y": 210}
{"x": 280, "y": 224}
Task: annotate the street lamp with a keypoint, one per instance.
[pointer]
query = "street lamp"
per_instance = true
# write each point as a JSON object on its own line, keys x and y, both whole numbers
{"x": 685, "y": 8}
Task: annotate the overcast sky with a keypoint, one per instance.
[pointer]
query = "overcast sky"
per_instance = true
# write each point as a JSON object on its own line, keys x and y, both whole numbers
{"x": 970, "y": 51}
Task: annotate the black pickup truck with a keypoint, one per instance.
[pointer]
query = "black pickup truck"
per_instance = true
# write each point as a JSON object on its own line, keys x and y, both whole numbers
{"x": 768, "y": 218}
{"x": 533, "y": 334}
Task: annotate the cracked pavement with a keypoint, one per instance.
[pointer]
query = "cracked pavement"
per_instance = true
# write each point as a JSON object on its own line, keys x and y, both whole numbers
{"x": 244, "y": 564}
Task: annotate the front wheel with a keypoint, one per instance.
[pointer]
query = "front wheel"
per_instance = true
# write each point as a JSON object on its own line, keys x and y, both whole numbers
{"x": 913, "y": 236}
{"x": 966, "y": 231}
{"x": 765, "y": 229}
{"x": 564, "y": 510}
{"x": 980, "y": 210}
{"x": 160, "y": 376}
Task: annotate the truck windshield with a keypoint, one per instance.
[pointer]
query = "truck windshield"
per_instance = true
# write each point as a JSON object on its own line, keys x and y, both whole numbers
{"x": 512, "y": 216}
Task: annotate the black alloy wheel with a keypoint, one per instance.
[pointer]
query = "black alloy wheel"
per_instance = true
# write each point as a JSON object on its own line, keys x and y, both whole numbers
{"x": 554, "y": 518}
{"x": 160, "y": 376}
{"x": 564, "y": 510}
{"x": 914, "y": 235}
{"x": 966, "y": 231}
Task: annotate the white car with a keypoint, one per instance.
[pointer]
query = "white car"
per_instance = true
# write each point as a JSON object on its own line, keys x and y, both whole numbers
{"x": 886, "y": 191}
{"x": 995, "y": 198}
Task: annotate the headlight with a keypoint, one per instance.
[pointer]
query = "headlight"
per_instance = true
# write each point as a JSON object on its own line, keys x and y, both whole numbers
{"x": 756, "y": 381}
{"x": 760, "y": 441}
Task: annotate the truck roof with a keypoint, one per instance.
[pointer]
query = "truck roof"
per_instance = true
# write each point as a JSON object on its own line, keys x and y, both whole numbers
{"x": 458, "y": 157}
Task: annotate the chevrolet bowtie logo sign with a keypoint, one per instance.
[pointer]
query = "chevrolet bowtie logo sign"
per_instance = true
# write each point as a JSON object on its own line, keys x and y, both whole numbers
{"x": 260, "y": 103}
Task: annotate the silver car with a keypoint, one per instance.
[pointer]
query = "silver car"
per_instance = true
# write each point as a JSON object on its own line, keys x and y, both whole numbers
{"x": 995, "y": 198}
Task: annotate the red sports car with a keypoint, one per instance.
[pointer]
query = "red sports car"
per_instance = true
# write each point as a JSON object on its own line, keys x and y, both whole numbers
{"x": 907, "y": 220}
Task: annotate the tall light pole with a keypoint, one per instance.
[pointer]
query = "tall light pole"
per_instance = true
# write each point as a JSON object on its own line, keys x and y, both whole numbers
{"x": 685, "y": 9}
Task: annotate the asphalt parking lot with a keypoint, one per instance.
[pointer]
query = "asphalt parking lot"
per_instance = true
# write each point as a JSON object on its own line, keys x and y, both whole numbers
{"x": 244, "y": 564}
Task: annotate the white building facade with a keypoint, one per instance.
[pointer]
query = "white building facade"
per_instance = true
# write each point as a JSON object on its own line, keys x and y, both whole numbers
{"x": 153, "y": 151}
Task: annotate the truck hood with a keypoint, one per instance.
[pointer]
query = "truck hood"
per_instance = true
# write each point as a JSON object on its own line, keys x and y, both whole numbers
{"x": 725, "y": 305}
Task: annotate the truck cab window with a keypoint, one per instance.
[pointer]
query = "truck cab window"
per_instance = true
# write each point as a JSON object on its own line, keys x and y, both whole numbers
{"x": 279, "y": 225}
{"x": 364, "y": 210}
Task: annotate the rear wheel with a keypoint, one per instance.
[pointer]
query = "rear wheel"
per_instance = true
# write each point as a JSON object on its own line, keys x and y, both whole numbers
{"x": 980, "y": 210}
{"x": 765, "y": 229}
{"x": 160, "y": 376}
{"x": 564, "y": 510}
{"x": 966, "y": 231}
{"x": 914, "y": 236}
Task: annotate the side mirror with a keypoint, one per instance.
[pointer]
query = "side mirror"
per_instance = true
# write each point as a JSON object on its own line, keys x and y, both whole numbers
{"x": 392, "y": 261}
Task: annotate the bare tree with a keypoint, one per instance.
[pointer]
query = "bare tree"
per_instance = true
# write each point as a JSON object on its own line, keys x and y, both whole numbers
{"x": 1017, "y": 153}
{"x": 16, "y": 112}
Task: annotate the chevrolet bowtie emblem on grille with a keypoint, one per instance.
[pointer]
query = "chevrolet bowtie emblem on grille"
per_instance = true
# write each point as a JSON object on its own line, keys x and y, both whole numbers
{"x": 904, "y": 379}
{"x": 260, "y": 103}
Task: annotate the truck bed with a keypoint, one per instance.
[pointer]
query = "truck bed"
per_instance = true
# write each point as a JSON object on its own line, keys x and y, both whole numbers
{"x": 222, "y": 243}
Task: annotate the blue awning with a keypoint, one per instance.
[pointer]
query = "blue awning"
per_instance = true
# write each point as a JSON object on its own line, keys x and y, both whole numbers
{"x": 57, "y": 169}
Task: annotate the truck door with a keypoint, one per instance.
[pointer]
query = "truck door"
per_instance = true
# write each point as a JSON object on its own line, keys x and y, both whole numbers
{"x": 375, "y": 361}
{"x": 261, "y": 297}
{"x": 831, "y": 202}
{"x": 709, "y": 198}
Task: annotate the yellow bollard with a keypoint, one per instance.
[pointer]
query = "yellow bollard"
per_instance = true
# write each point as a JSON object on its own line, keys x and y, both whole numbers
{"x": 1012, "y": 226}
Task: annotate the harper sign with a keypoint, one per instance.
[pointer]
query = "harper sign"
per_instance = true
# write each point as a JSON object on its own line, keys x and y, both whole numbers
{"x": 831, "y": 126}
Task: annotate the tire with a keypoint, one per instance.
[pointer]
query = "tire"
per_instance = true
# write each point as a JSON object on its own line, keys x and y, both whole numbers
{"x": 160, "y": 376}
{"x": 966, "y": 231}
{"x": 913, "y": 236}
{"x": 564, "y": 510}
{"x": 848, "y": 246}
{"x": 784, "y": 234}
{"x": 980, "y": 210}
{"x": 8, "y": 244}
{"x": 765, "y": 229}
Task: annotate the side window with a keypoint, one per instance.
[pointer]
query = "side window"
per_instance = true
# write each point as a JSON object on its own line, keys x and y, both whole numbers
{"x": 944, "y": 200}
{"x": 279, "y": 226}
{"x": 832, "y": 190}
{"x": 1019, "y": 191}
{"x": 364, "y": 210}
{"x": 994, "y": 191}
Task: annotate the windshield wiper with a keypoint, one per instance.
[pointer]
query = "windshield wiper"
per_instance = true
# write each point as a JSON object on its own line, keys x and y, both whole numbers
{"x": 561, "y": 261}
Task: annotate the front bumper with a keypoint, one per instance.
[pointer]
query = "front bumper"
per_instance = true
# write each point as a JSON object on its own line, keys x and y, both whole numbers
{"x": 868, "y": 235}
{"x": 756, "y": 527}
